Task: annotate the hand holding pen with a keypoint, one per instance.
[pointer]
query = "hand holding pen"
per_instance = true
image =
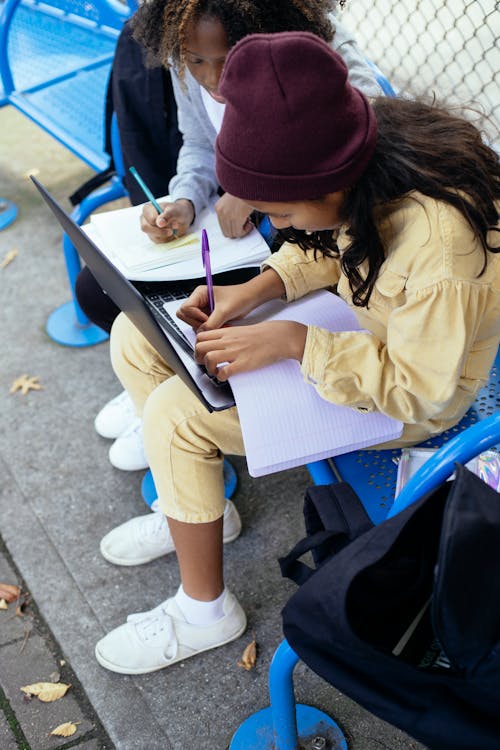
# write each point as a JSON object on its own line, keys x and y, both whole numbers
{"x": 167, "y": 221}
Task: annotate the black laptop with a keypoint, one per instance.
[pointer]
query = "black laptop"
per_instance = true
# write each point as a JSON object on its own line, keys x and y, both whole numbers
{"x": 142, "y": 302}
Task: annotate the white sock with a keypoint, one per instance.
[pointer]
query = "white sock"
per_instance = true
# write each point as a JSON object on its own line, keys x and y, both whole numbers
{"x": 198, "y": 612}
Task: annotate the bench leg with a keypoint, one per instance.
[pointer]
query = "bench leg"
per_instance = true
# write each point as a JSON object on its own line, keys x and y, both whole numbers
{"x": 283, "y": 724}
{"x": 8, "y": 212}
{"x": 68, "y": 325}
{"x": 321, "y": 472}
{"x": 149, "y": 493}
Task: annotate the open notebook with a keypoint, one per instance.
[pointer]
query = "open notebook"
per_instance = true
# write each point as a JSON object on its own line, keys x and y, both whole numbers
{"x": 119, "y": 236}
{"x": 285, "y": 423}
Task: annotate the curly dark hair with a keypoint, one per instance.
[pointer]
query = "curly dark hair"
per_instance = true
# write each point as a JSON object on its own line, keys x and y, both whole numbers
{"x": 161, "y": 26}
{"x": 420, "y": 147}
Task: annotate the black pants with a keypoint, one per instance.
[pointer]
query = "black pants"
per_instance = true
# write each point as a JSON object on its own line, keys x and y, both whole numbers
{"x": 94, "y": 301}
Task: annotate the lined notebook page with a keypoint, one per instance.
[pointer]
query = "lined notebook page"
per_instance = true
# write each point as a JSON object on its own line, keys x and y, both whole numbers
{"x": 285, "y": 423}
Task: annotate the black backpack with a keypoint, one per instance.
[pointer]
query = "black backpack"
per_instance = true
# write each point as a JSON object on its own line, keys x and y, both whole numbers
{"x": 404, "y": 617}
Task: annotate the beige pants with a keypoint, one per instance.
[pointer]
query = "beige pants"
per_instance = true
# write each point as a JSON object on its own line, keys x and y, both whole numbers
{"x": 184, "y": 443}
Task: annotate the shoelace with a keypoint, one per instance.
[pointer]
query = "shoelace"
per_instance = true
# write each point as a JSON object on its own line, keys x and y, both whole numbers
{"x": 123, "y": 398}
{"x": 154, "y": 527}
{"x": 143, "y": 616}
{"x": 135, "y": 427}
{"x": 154, "y": 623}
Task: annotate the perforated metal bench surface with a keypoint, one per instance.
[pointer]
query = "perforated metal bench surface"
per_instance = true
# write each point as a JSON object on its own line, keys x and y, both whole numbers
{"x": 55, "y": 60}
{"x": 373, "y": 473}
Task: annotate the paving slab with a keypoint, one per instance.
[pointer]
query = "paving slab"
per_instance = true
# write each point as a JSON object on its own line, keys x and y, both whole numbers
{"x": 59, "y": 496}
{"x": 28, "y": 663}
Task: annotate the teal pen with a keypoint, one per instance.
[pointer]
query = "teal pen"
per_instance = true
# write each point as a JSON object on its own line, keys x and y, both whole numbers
{"x": 147, "y": 192}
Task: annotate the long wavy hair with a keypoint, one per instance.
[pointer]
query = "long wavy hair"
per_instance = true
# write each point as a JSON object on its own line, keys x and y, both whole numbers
{"x": 420, "y": 147}
{"x": 161, "y": 26}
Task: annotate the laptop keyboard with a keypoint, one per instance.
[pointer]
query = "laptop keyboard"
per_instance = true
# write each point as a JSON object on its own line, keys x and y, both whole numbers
{"x": 157, "y": 300}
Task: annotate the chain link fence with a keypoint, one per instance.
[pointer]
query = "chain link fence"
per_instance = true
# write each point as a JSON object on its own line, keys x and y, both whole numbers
{"x": 449, "y": 48}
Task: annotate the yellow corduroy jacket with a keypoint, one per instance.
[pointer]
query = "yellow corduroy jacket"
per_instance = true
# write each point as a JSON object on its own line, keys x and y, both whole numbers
{"x": 432, "y": 327}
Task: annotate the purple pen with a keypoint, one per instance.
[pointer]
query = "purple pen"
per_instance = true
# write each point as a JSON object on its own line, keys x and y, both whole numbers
{"x": 205, "y": 257}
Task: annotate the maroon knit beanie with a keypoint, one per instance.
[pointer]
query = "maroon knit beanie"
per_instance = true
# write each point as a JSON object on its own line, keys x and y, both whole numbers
{"x": 294, "y": 128}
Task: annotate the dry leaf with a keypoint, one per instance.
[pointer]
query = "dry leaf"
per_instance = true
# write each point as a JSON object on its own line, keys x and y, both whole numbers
{"x": 66, "y": 729}
{"x": 249, "y": 656}
{"x": 31, "y": 172}
{"x": 25, "y": 383}
{"x": 8, "y": 258}
{"x": 9, "y": 592}
{"x": 3, "y": 604}
{"x": 27, "y": 631}
{"x": 47, "y": 691}
{"x": 62, "y": 662}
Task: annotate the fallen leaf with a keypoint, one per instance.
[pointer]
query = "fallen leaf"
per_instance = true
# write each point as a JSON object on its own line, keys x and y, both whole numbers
{"x": 47, "y": 691}
{"x": 55, "y": 676}
{"x": 62, "y": 662}
{"x": 31, "y": 172}
{"x": 8, "y": 258}
{"x": 66, "y": 729}
{"x": 9, "y": 592}
{"x": 27, "y": 631}
{"x": 25, "y": 383}
{"x": 3, "y": 604}
{"x": 249, "y": 656}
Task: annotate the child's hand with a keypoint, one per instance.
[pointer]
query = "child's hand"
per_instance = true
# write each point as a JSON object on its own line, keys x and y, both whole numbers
{"x": 231, "y": 303}
{"x": 244, "y": 348}
{"x": 233, "y": 215}
{"x": 174, "y": 222}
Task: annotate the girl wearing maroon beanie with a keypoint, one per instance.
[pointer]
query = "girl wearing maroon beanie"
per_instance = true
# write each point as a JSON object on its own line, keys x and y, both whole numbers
{"x": 395, "y": 207}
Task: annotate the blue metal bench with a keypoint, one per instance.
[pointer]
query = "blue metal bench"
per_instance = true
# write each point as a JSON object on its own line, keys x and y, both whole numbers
{"x": 373, "y": 476}
{"x": 55, "y": 61}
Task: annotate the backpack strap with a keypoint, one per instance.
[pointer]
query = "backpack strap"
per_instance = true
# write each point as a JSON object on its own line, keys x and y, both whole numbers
{"x": 92, "y": 184}
{"x": 334, "y": 516}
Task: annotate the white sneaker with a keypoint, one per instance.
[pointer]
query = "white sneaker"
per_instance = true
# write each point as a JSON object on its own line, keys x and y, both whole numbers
{"x": 115, "y": 417}
{"x": 127, "y": 452}
{"x": 161, "y": 637}
{"x": 145, "y": 538}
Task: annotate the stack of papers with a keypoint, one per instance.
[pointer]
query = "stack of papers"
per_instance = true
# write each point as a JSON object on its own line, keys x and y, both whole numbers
{"x": 119, "y": 236}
